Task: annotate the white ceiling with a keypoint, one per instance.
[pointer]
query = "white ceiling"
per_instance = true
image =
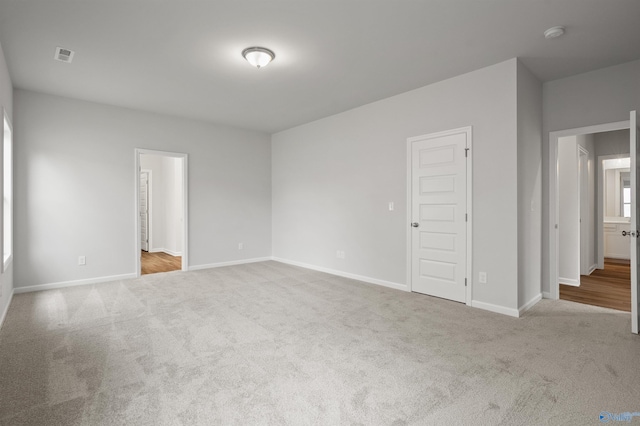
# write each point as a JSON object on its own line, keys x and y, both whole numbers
{"x": 182, "y": 57}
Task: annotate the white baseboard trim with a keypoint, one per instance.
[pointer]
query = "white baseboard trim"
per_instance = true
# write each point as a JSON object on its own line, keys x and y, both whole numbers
{"x": 63, "y": 284}
{"x": 369, "y": 280}
{"x": 6, "y": 308}
{"x": 529, "y": 304}
{"x": 592, "y": 268}
{"x": 546, "y": 295}
{"x": 618, "y": 256}
{"x": 495, "y": 308}
{"x": 569, "y": 281}
{"x": 164, "y": 250}
{"x": 230, "y": 263}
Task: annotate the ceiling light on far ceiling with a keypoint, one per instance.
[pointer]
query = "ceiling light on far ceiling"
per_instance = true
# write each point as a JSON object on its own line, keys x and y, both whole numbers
{"x": 258, "y": 56}
{"x": 554, "y": 32}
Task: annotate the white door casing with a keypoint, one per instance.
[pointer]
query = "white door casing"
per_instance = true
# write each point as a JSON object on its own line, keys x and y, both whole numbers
{"x": 634, "y": 142}
{"x": 144, "y": 210}
{"x": 585, "y": 211}
{"x": 438, "y": 214}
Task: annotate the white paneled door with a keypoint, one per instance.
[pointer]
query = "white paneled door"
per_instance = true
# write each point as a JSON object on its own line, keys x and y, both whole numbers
{"x": 439, "y": 214}
{"x": 635, "y": 219}
{"x": 144, "y": 211}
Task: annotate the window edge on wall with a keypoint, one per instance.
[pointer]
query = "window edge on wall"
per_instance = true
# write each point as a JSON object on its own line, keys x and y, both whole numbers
{"x": 7, "y": 258}
{"x": 7, "y": 262}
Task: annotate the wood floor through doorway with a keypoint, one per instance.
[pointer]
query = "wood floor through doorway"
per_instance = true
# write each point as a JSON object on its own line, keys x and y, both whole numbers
{"x": 609, "y": 287}
{"x": 152, "y": 263}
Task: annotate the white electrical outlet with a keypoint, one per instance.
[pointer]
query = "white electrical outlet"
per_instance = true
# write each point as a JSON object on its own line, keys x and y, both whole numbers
{"x": 82, "y": 260}
{"x": 391, "y": 206}
{"x": 340, "y": 254}
{"x": 240, "y": 246}
{"x": 482, "y": 277}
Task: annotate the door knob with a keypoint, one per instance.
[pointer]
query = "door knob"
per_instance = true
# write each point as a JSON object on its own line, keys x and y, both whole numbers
{"x": 415, "y": 224}
{"x": 625, "y": 233}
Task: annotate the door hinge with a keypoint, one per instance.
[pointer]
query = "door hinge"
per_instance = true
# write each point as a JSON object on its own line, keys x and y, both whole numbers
{"x": 465, "y": 282}
{"x": 466, "y": 217}
{"x": 466, "y": 152}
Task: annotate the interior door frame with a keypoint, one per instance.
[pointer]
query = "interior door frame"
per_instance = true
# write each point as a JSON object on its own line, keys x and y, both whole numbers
{"x": 583, "y": 186}
{"x": 468, "y": 130}
{"x": 634, "y": 155}
{"x": 185, "y": 208}
{"x": 149, "y": 207}
{"x": 554, "y": 286}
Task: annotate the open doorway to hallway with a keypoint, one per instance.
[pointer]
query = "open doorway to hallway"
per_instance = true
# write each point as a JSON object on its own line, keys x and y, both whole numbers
{"x": 161, "y": 211}
{"x": 594, "y": 219}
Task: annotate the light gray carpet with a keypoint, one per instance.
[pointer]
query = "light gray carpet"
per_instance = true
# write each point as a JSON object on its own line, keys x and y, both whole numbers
{"x": 269, "y": 343}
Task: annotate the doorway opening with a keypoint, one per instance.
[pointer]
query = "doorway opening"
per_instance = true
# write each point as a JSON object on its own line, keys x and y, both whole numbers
{"x": 161, "y": 211}
{"x": 589, "y": 256}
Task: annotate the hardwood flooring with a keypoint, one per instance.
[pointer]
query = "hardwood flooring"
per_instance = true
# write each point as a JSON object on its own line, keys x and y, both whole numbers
{"x": 609, "y": 287}
{"x": 159, "y": 262}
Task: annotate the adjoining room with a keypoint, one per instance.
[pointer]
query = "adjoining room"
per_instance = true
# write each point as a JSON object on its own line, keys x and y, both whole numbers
{"x": 249, "y": 212}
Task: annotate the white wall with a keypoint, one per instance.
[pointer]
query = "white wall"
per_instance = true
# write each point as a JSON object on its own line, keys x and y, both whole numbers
{"x": 174, "y": 222}
{"x": 333, "y": 180}
{"x": 6, "y": 102}
{"x": 611, "y": 143}
{"x": 75, "y": 185}
{"x": 569, "y": 212}
{"x": 589, "y": 230}
{"x": 597, "y": 97}
{"x": 529, "y": 104}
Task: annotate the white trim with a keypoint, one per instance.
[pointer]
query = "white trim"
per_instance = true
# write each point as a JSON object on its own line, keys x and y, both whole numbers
{"x": 185, "y": 200}
{"x": 167, "y": 251}
{"x": 495, "y": 308}
{"x": 568, "y": 281}
{"x": 529, "y": 304}
{"x": 229, "y": 263}
{"x": 468, "y": 130}
{"x": 6, "y": 308}
{"x": 409, "y": 246}
{"x": 469, "y": 271}
{"x": 369, "y": 280}
{"x": 63, "y": 284}
{"x": 546, "y": 295}
{"x": 554, "y": 289}
{"x": 592, "y": 268}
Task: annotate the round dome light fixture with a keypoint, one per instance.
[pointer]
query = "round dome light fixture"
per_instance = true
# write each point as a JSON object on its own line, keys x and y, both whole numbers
{"x": 258, "y": 56}
{"x": 554, "y": 32}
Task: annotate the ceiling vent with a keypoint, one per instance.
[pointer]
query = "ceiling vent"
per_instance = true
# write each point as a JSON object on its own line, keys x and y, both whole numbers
{"x": 63, "y": 55}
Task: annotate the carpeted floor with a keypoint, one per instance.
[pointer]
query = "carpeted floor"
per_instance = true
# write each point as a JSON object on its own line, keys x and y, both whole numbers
{"x": 268, "y": 343}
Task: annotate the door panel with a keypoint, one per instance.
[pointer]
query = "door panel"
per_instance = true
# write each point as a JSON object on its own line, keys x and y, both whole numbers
{"x": 635, "y": 218}
{"x": 438, "y": 204}
{"x": 585, "y": 214}
{"x": 144, "y": 211}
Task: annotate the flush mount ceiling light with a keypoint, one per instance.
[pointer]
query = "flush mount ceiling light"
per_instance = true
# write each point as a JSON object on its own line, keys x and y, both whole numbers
{"x": 554, "y": 32}
{"x": 258, "y": 56}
